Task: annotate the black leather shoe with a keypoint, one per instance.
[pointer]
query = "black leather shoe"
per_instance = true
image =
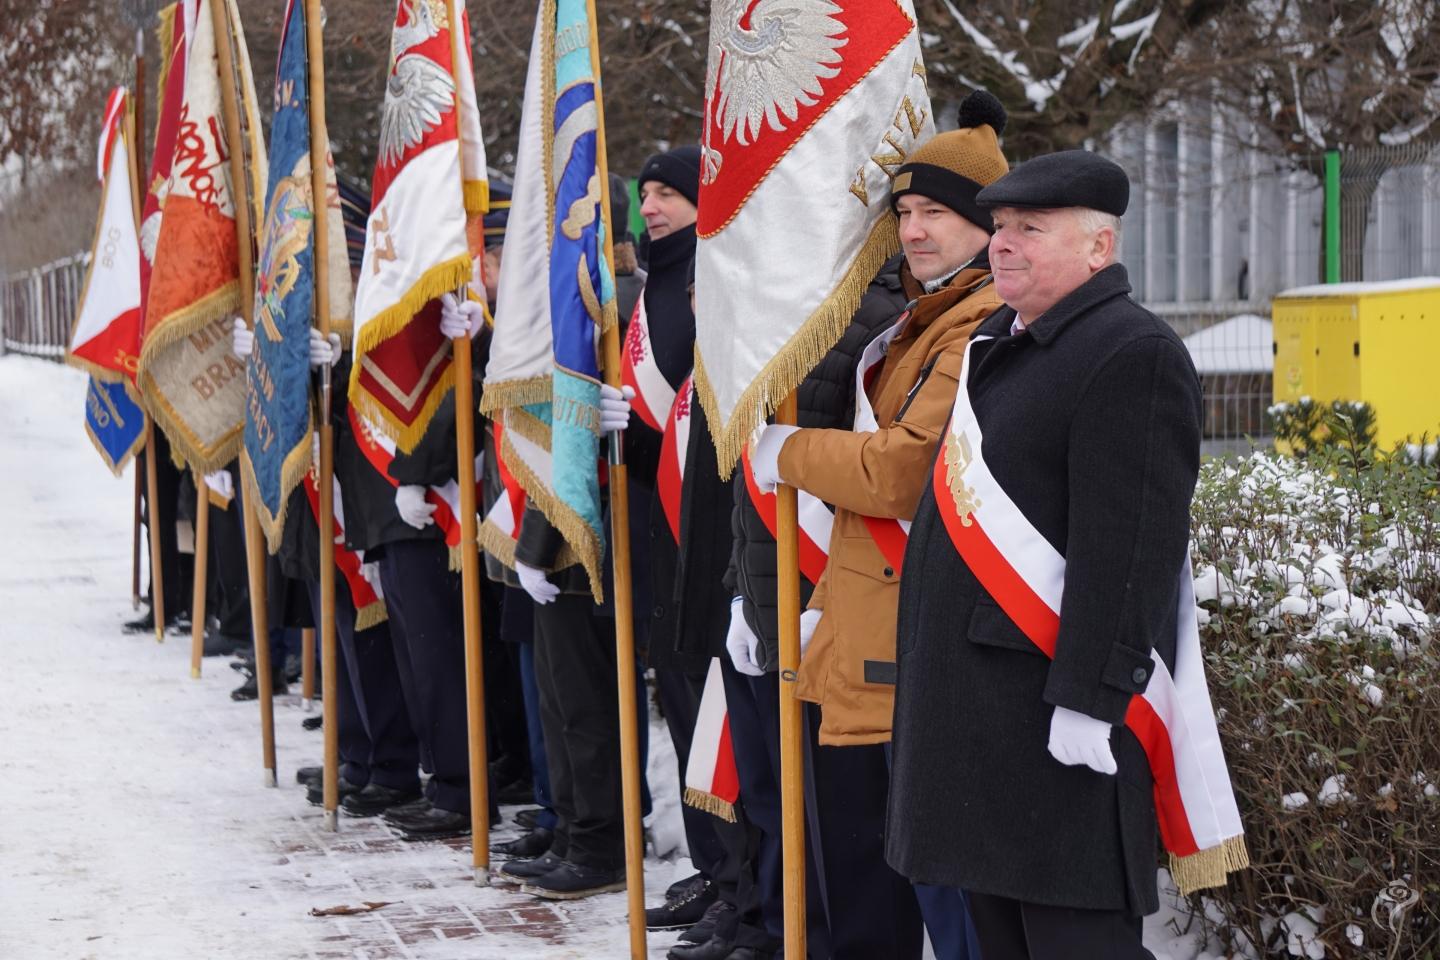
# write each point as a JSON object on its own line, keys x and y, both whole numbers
{"x": 433, "y": 824}
{"x": 312, "y": 723}
{"x": 572, "y": 881}
{"x": 517, "y": 791}
{"x": 250, "y": 690}
{"x": 528, "y": 818}
{"x": 523, "y": 871}
{"x": 406, "y": 810}
{"x": 315, "y": 793}
{"x": 309, "y": 775}
{"x": 716, "y": 915}
{"x": 219, "y": 644}
{"x": 691, "y": 898}
{"x": 528, "y": 847}
{"x": 375, "y": 799}
{"x": 716, "y": 948}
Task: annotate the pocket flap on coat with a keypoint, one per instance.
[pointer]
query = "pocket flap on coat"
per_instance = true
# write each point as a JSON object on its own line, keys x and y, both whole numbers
{"x": 990, "y": 626}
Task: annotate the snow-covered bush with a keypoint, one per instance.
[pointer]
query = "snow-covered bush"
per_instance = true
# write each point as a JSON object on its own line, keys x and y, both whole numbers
{"x": 1319, "y": 581}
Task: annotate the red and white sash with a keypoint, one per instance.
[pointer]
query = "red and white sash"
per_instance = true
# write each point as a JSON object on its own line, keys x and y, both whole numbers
{"x": 509, "y": 507}
{"x": 712, "y": 783}
{"x": 369, "y": 603}
{"x": 816, "y": 521}
{"x": 653, "y": 394}
{"x": 1173, "y": 719}
{"x": 379, "y": 449}
{"x": 889, "y": 535}
{"x": 674, "y": 444}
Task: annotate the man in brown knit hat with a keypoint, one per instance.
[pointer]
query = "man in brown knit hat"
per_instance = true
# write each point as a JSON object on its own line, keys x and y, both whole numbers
{"x": 874, "y": 474}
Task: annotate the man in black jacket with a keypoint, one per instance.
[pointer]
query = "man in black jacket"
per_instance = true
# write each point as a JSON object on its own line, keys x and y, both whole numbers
{"x": 1015, "y": 777}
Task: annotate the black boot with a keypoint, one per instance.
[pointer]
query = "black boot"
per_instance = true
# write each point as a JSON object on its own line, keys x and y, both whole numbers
{"x": 250, "y": 690}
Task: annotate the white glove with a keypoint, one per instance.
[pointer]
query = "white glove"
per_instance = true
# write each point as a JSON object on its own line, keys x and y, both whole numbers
{"x": 615, "y": 407}
{"x": 221, "y": 483}
{"x": 315, "y": 450}
{"x": 533, "y": 581}
{"x": 371, "y": 572}
{"x": 460, "y": 319}
{"x": 740, "y": 641}
{"x": 1077, "y": 739}
{"x": 323, "y": 351}
{"x": 809, "y": 620}
{"x": 414, "y": 509}
{"x": 765, "y": 460}
{"x": 242, "y": 342}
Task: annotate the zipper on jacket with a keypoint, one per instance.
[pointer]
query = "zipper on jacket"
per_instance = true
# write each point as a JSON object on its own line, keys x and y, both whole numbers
{"x": 920, "y": 382}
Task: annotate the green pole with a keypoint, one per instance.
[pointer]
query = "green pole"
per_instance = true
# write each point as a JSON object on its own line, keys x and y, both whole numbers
{"x": 1332, "y": 216}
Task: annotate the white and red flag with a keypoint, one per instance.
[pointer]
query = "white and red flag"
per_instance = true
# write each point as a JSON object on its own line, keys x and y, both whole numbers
{"x": 425, "y": 233}
{"x": 810, "y": 108}
{"x": 106, "y": 337}
{"x": 712, "y": 782}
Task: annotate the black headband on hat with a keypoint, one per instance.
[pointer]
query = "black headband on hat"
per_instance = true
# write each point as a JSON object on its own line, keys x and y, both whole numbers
{"x": 678, "y": 168}
{"x": 943, "y": 186}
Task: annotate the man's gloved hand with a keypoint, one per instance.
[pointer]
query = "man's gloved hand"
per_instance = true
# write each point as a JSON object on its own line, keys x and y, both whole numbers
{"x": 809, "y": 620}
{"x": 242, "y": 341}
{"x": 615, "y": 407}
{"x": 221, "y": 482}
{"x": 459, "y": 319}
{"x": 1077, "y": 739}
{"x": 371, "y": 572}
{"x": 323, "y": 351}
{"x": 412, "y": 506}
{"x": 534, "y": 582}
{"x": 741, "y": 642}
{"x": 765, "y": 460}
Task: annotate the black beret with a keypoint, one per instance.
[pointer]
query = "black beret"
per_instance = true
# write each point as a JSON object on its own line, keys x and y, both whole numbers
{"x": 1070, "y": 178}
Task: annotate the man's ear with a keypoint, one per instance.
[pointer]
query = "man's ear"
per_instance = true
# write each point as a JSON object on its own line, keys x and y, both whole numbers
{"x": 1102, "y": 249}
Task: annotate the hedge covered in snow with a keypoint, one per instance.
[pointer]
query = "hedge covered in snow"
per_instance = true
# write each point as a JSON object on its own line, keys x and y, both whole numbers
{"x": 1319, "y": 583}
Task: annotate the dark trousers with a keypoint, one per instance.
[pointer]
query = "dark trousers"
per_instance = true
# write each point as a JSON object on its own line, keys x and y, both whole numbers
{"x": 229, "y": 571}
{"x": 580, "y": 715}
{"x": 539, "y": 759}
{"x": 870, "y": 910}
{"x": 717, "y": 847}
{"x": 505, "y": 725}
{"x": 423, "y": 597}
{"x": 1015, "y": 930}
{"x": 175, "y": 578}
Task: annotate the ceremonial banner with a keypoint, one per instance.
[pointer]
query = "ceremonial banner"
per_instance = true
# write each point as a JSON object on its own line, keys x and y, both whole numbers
{"x": 369, "y": 603}
{"x": 278, "y": 420}
{"x": 809, "y": 110}
{"x": 543, "y": 369}
{"x": 106, "y": 337}
{"x": 114, "y": 421}
{"x": 192, "y": 382}
{"x": 423, "y": 237}
{"x": 170, "y": 87}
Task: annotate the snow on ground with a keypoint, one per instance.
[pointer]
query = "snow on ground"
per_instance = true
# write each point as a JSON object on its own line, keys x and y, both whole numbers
{"x": 135, "y": 825}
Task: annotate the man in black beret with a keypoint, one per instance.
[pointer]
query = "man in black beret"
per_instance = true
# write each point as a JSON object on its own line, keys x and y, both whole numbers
{"x": 1015, "y": 777}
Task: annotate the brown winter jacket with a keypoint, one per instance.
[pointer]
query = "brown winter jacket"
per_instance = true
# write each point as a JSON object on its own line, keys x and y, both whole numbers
{"x": 878, "y": 474}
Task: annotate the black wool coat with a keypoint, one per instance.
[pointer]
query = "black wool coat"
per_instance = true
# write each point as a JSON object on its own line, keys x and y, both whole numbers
{"x": 1091, "y": 422}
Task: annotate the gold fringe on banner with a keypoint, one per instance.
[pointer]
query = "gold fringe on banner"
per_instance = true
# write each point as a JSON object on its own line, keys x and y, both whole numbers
{"x": 118, "y": 468}
{"x": 371, "y": 615}
{"x": 782, "y": 375}
{"x": 1209, "y": 868}
{"x": 297, "y": 463}
{"x": 505, "y": 394}
{"x": 165, "y": 37}
{"x": 440, "y": 279}
{"x": 710, "y": 803}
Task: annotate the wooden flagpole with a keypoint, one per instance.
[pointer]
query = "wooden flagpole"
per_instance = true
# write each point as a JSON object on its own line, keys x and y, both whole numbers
{"x": 329, "y": 662}
{"x": 620, "y": 540}
{"x": 792, "y": 765}
{"x": 245, "y": 235}
{"x": 307, "y": 668}
{"x": 137, "y": 151}
{"x": 469, "y": 555}
{"x": 202, "y": 568}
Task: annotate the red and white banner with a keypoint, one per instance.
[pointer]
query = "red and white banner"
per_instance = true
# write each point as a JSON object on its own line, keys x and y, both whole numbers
{"x": 424, "y": 235}
{"x": 712, "y": 783}
{"x": 654, "y": 396}
{"x": 809, "y": 111}
{"x": 369, "y": 603}
{"x": 505, "y": 513}
{"x": 106, "y": 337}
{"x": 1173, "y": 719}
{"x": 674, "y": 446}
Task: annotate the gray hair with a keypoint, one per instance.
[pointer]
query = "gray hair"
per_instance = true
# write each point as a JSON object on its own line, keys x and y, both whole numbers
{"x": 1093, "y": 221}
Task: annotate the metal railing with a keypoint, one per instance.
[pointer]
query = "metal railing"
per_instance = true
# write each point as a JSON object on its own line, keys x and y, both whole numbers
{"x": 38, "y": 307}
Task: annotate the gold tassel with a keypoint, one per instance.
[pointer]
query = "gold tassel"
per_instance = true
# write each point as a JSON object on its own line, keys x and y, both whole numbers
{"x": 782, "y": 375}
{"x": 710, "y": 803}
{"x": 477, "y": 196}
{"x": 371, "y": 615}
{"x": 1209, "y": 868}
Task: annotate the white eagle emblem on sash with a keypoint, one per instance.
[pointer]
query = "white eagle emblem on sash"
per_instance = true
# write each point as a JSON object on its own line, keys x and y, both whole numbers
{"x": 957, "y": 460}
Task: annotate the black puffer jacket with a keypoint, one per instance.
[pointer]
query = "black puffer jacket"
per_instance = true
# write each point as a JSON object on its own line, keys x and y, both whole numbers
{"x": 827, "y": 400}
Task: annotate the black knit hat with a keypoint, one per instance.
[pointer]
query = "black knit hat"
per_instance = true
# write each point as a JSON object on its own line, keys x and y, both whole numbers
{"x": 678, "y": 168}
{"x": 951, "y": 168}
{"x": 1070, "y": 178}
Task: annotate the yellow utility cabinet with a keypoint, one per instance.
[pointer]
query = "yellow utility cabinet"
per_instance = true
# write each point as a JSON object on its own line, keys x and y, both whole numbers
{"x": 1374, "y": 342}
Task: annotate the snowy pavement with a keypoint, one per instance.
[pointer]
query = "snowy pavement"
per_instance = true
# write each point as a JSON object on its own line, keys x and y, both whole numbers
{"x": 134, "y": 823}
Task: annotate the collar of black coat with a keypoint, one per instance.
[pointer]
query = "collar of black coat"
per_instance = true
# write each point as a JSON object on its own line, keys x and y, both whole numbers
{"x": 673, "y": 250}
{"x": 1109, "y": 283}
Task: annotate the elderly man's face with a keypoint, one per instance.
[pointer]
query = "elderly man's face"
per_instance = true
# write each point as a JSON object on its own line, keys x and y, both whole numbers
{"x": 665, "y": 209}
{"x": 1039, "y": 256}
{"x": 937, "y": 240}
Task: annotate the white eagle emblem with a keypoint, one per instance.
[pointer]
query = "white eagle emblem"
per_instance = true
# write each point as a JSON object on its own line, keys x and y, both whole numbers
{"x": 419, "y": 91}
{"x": 767, "y": 60}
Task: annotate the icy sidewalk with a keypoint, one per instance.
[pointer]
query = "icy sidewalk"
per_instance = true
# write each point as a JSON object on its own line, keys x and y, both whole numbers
{"x": 133, "y": 822}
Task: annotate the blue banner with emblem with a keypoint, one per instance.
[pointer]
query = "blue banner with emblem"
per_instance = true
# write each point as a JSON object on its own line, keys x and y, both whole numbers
{"x": 277, "y": 410}
{"x": 115, "y": 422}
